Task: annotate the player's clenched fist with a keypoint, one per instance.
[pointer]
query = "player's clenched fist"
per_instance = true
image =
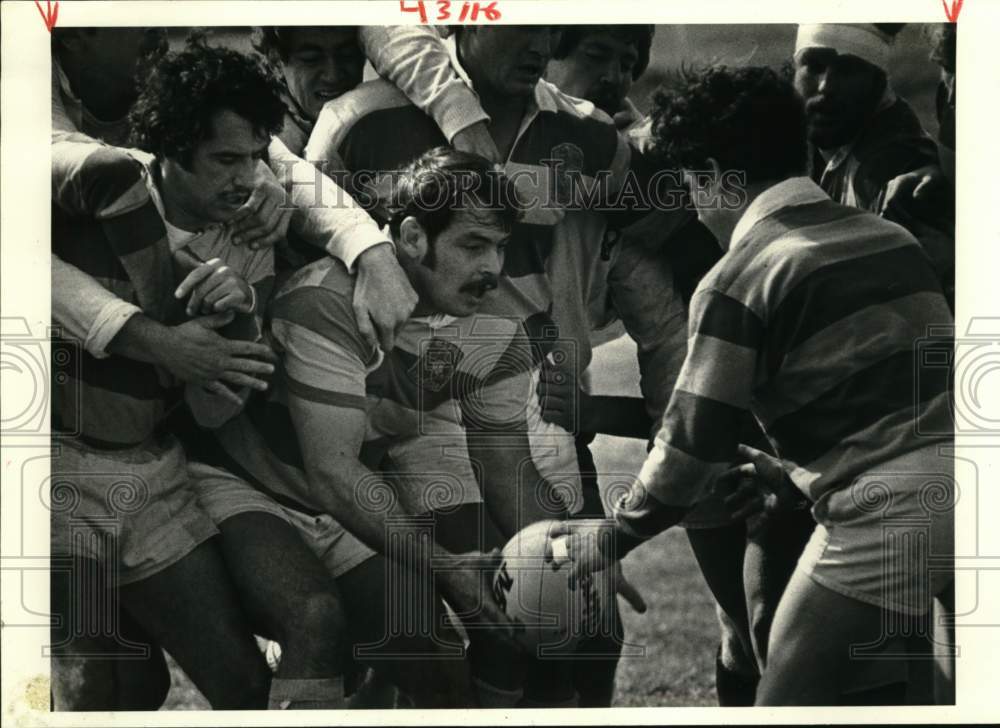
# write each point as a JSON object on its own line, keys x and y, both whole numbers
{"x": 214, "y": 287}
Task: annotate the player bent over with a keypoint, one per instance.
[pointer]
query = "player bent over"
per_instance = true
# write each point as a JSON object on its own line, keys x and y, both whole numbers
{"x": 310, "y": 451}
{"x": 811, "y": 322}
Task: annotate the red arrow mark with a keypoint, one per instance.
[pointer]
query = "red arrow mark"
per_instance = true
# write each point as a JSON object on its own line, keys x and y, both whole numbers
{"x": 953, "y": 11}
{"x": 51, "y": 13}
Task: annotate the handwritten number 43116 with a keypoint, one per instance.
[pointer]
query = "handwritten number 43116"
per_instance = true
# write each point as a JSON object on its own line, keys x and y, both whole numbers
{"x": 469, "y": 11}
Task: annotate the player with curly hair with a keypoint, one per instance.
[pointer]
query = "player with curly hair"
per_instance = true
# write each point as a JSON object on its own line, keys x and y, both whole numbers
{"x": 800, "y": 324}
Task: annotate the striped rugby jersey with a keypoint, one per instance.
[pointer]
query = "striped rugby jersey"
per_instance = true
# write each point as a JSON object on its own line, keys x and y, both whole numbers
{"x": 553, "y": 262}
{"x": 108, "y": 222}
{"x": 416, "y": 399}
{"x": 811, "y": 321}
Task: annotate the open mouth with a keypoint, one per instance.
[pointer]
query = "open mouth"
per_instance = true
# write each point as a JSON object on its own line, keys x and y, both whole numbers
{"x": 329, "y": 94}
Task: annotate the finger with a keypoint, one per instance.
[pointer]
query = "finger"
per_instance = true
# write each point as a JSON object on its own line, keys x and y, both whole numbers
{"x": 217, "y": 320}
{"x": 366, "y": 327}
{"x": 218, "y": 388}
{"x": 195, "y": 277}
{"x": 206, "y": 288}
{"x": 752, "y": 454}
{"x": 631, "y": 595}
{"x": 266, "y": 232}
{"x": 244, "y": 380}
{"x": 923, "y": 189}
{"x": 755, "y": 505}
{"x": 387, "y": 338}
{"x": 239, "y": 348}
{"x": 234, "y": 300}
{"x": 740, "y": 472}
{"x": 249, "y": 366}
{"x": 279, "y": 233}
{"x": 247, "y": 216}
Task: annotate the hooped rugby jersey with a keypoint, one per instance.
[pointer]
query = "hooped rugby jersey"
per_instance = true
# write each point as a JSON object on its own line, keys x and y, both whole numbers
{"x": 417, "y": 399}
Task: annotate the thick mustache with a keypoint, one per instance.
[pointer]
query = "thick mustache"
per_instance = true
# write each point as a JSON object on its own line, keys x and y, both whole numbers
{"x": 483, "y": 285}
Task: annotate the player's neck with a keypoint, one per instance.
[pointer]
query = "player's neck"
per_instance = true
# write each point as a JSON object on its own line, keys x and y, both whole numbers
{"x": 175, "y": 210}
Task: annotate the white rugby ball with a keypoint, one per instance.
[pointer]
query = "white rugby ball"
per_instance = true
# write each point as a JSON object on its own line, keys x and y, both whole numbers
{"x": 538, "y": 594}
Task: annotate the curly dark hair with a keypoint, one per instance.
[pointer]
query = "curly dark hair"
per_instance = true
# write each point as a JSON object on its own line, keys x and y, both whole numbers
{"x": 748, "y": 119}
{"x": 185, "y": 90}
{"x": 639, "y": 35}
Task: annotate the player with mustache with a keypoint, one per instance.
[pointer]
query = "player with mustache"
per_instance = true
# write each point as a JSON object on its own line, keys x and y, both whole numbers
{"x": 344, "y": 421}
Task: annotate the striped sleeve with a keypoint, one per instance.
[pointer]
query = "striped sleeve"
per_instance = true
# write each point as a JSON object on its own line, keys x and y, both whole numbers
{"x": 701, "y": 427}
{"x": 325, "y": 358}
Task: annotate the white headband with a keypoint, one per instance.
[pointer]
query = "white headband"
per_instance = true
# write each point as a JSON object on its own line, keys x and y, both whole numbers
{"x": 864, "y": 41}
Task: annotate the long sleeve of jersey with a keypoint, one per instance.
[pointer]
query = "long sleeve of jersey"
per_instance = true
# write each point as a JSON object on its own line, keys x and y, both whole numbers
{"x": 415, "y": 60}
{"x": 325, "y": 215}
{"x": 704, "y": 419}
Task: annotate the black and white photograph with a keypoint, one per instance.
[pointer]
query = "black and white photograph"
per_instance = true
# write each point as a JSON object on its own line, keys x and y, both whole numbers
{"x": 452, "y": 363}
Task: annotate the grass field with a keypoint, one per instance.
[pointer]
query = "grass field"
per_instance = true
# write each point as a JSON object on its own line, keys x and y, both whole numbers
{"x": 679, "y": 632}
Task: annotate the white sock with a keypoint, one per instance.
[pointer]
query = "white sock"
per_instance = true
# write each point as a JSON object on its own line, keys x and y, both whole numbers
{"x": 307, "y": 694}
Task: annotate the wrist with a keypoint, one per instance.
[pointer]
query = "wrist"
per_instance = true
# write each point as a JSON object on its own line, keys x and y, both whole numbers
{"x": 141, "y": 339}
{"x": 378, "y": 254}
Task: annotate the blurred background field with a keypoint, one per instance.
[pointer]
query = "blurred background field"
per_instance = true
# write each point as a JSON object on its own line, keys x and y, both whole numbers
{"x": 679, "y": 634}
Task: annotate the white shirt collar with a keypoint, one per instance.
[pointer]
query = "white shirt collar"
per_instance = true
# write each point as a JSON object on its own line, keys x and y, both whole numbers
{"x": 787, "y": 193}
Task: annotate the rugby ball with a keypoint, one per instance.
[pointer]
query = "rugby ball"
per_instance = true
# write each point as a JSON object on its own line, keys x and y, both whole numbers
{"x": 538, "y": 594}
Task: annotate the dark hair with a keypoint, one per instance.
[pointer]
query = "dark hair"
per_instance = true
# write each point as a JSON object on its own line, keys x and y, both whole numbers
{"x": 273, "y": 42}
{"x": 748, "y": 119}
{"x": 641, "y": 36}
{"x": 439, "y": 182}
{"x": 185, "y": 90}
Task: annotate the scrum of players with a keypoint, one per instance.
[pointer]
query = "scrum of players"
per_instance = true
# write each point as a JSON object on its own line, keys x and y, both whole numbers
{"x": 322, "y": 349}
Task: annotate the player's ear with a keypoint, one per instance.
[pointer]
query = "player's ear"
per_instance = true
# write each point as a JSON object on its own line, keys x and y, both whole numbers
{"x": 412, "y": 242}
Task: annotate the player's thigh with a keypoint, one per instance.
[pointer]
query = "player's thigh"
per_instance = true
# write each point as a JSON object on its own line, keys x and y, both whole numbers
{"x": 399, "y": 628}
{"x": 811, "y": 639}
{"x": 193, "y": 610}
{"x": 770, "y": 559}
{"x": 283, "y": 586}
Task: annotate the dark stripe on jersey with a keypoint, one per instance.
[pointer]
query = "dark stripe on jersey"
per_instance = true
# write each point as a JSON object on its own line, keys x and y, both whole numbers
{"x": 80, "y": 241}
{"x": 106, "y": 174}
{"x": 703, "y": 428}
{"x": 797, "y": 218}
{"x": 314, "y": 394}
{"x": 725, "y": 318}
{"x": 315, "y": 307}
{"x": 821, "y": 298}
{"x": 595, "y": 139}
{"x": 138, "y": 380}
{"x": 529, "y": 248}
{"x": 389, "y": 139}
{"x": 135, "y": 230}
{"x": 273, "y": 423}
{"x": 222, "y": 459}
{"x": 850, "y": 407}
